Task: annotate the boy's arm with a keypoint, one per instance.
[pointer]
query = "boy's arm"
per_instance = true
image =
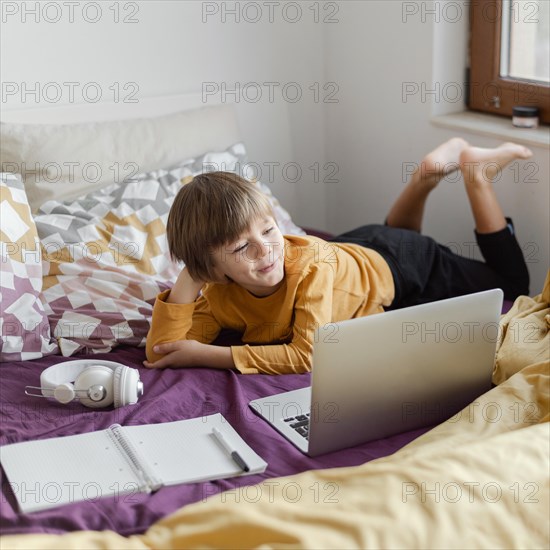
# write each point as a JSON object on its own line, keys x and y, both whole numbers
{"x": 179, "y": 315}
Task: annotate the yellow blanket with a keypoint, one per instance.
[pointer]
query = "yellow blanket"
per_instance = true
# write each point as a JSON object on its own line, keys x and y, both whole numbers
{"x": 479, "y": 480}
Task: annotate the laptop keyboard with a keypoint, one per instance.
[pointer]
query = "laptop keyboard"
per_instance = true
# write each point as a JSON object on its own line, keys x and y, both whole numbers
{"x": 300, "y": 424}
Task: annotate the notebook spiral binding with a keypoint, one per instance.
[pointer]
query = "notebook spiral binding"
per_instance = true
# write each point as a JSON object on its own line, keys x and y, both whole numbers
{"x": 148, "y": 482}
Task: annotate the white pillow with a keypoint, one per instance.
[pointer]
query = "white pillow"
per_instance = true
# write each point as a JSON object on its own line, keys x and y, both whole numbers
{"x": 64, "y": 161}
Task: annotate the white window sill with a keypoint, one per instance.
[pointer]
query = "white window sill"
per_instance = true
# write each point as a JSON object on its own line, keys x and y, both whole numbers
{"x": 493, "y": 126}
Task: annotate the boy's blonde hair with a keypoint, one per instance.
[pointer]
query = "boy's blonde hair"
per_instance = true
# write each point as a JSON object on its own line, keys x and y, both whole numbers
{"x": 212, "y": 210}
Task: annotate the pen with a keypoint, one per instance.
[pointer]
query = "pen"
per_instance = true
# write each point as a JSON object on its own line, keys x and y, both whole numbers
{"x": 232, "y": 452}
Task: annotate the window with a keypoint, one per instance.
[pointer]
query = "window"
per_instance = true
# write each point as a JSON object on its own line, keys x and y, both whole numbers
{"x": 510, "y": 56}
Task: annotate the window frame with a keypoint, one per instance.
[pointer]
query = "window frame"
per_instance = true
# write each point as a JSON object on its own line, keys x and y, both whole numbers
{"x": 485, "y": 82}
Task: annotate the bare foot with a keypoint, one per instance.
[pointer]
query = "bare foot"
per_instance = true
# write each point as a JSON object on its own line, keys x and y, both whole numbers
{"x": 407, "y": 211}
{"x": 480, "y": 166}
{"x": 441, "y": 162}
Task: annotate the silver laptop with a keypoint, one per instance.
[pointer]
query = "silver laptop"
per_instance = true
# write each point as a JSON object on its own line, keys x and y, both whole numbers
{"x": 384, "y": 374}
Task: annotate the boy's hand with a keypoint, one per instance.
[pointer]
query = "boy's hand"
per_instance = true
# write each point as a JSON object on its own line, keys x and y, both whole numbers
{"x": 185, "y": 289}
{"x": 190, "y": 353}
{"x": 176, "y": 354}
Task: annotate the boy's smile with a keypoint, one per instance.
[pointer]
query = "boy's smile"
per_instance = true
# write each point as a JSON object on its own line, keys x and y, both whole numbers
{"x": 255, "y": 261}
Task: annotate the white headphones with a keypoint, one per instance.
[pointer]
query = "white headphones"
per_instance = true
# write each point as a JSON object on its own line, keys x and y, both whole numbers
{"x": 97, "y": 383}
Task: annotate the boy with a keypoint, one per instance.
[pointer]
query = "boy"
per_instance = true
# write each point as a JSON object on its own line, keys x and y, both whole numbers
{"x": 242, "y": 273}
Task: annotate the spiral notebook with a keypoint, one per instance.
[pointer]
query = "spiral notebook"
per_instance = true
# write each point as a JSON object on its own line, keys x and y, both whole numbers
{"x": 124, "y": 460}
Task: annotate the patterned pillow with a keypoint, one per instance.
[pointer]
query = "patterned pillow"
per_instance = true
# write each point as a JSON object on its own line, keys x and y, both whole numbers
{"x": 24, "y": 327}
{"x": 233, "y": 159}
{"x": 106, "y": 255}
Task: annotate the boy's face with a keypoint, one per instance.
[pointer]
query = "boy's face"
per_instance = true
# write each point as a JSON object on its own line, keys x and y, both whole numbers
{"x": 256, "y": 260}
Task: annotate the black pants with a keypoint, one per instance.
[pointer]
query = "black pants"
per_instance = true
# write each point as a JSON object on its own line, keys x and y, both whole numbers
{"x": 425, "y": 271}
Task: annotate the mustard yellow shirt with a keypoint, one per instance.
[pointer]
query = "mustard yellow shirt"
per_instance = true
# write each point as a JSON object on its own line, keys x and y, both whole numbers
{"x": 324, "y": 282}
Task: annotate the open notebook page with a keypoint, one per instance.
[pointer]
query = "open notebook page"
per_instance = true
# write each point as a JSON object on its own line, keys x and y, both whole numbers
{"x": 52, "y": 472}
{"x": 186, "y": 450}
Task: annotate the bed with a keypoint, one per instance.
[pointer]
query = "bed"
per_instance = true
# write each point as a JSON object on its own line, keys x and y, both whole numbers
{"x": 107, "y": 175}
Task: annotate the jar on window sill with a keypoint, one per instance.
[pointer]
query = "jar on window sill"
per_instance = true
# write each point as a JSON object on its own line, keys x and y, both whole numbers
{"x": 525, "y": 117}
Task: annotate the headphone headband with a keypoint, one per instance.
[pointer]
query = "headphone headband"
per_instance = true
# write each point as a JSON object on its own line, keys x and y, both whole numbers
{"x": 68, "y": 371}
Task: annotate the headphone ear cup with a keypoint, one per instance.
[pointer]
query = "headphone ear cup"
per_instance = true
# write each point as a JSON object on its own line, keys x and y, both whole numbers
{"x": 118, "y": 384}
{"x": 96, "y": 375}
{"x": 125, "y": 386}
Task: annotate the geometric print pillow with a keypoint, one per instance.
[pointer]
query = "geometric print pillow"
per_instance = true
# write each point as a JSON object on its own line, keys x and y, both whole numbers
{"x": 105, "y": 254}
{"x": 24, "y": 327}
{"x": 105, "y": 259}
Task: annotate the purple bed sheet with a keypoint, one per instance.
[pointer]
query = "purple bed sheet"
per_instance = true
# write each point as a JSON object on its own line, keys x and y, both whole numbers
{"x": 170, "y": 394}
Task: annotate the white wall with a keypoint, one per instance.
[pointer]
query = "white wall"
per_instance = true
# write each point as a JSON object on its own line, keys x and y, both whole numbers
{"x": 178, "y": 47}
{"x": 377, "y": 50}
{"x": 362, "y": 51}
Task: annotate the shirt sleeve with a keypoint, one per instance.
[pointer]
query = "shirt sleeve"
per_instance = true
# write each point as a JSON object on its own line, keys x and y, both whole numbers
{"x": 312, "y": 309}
{"x": 171, "y": 322}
